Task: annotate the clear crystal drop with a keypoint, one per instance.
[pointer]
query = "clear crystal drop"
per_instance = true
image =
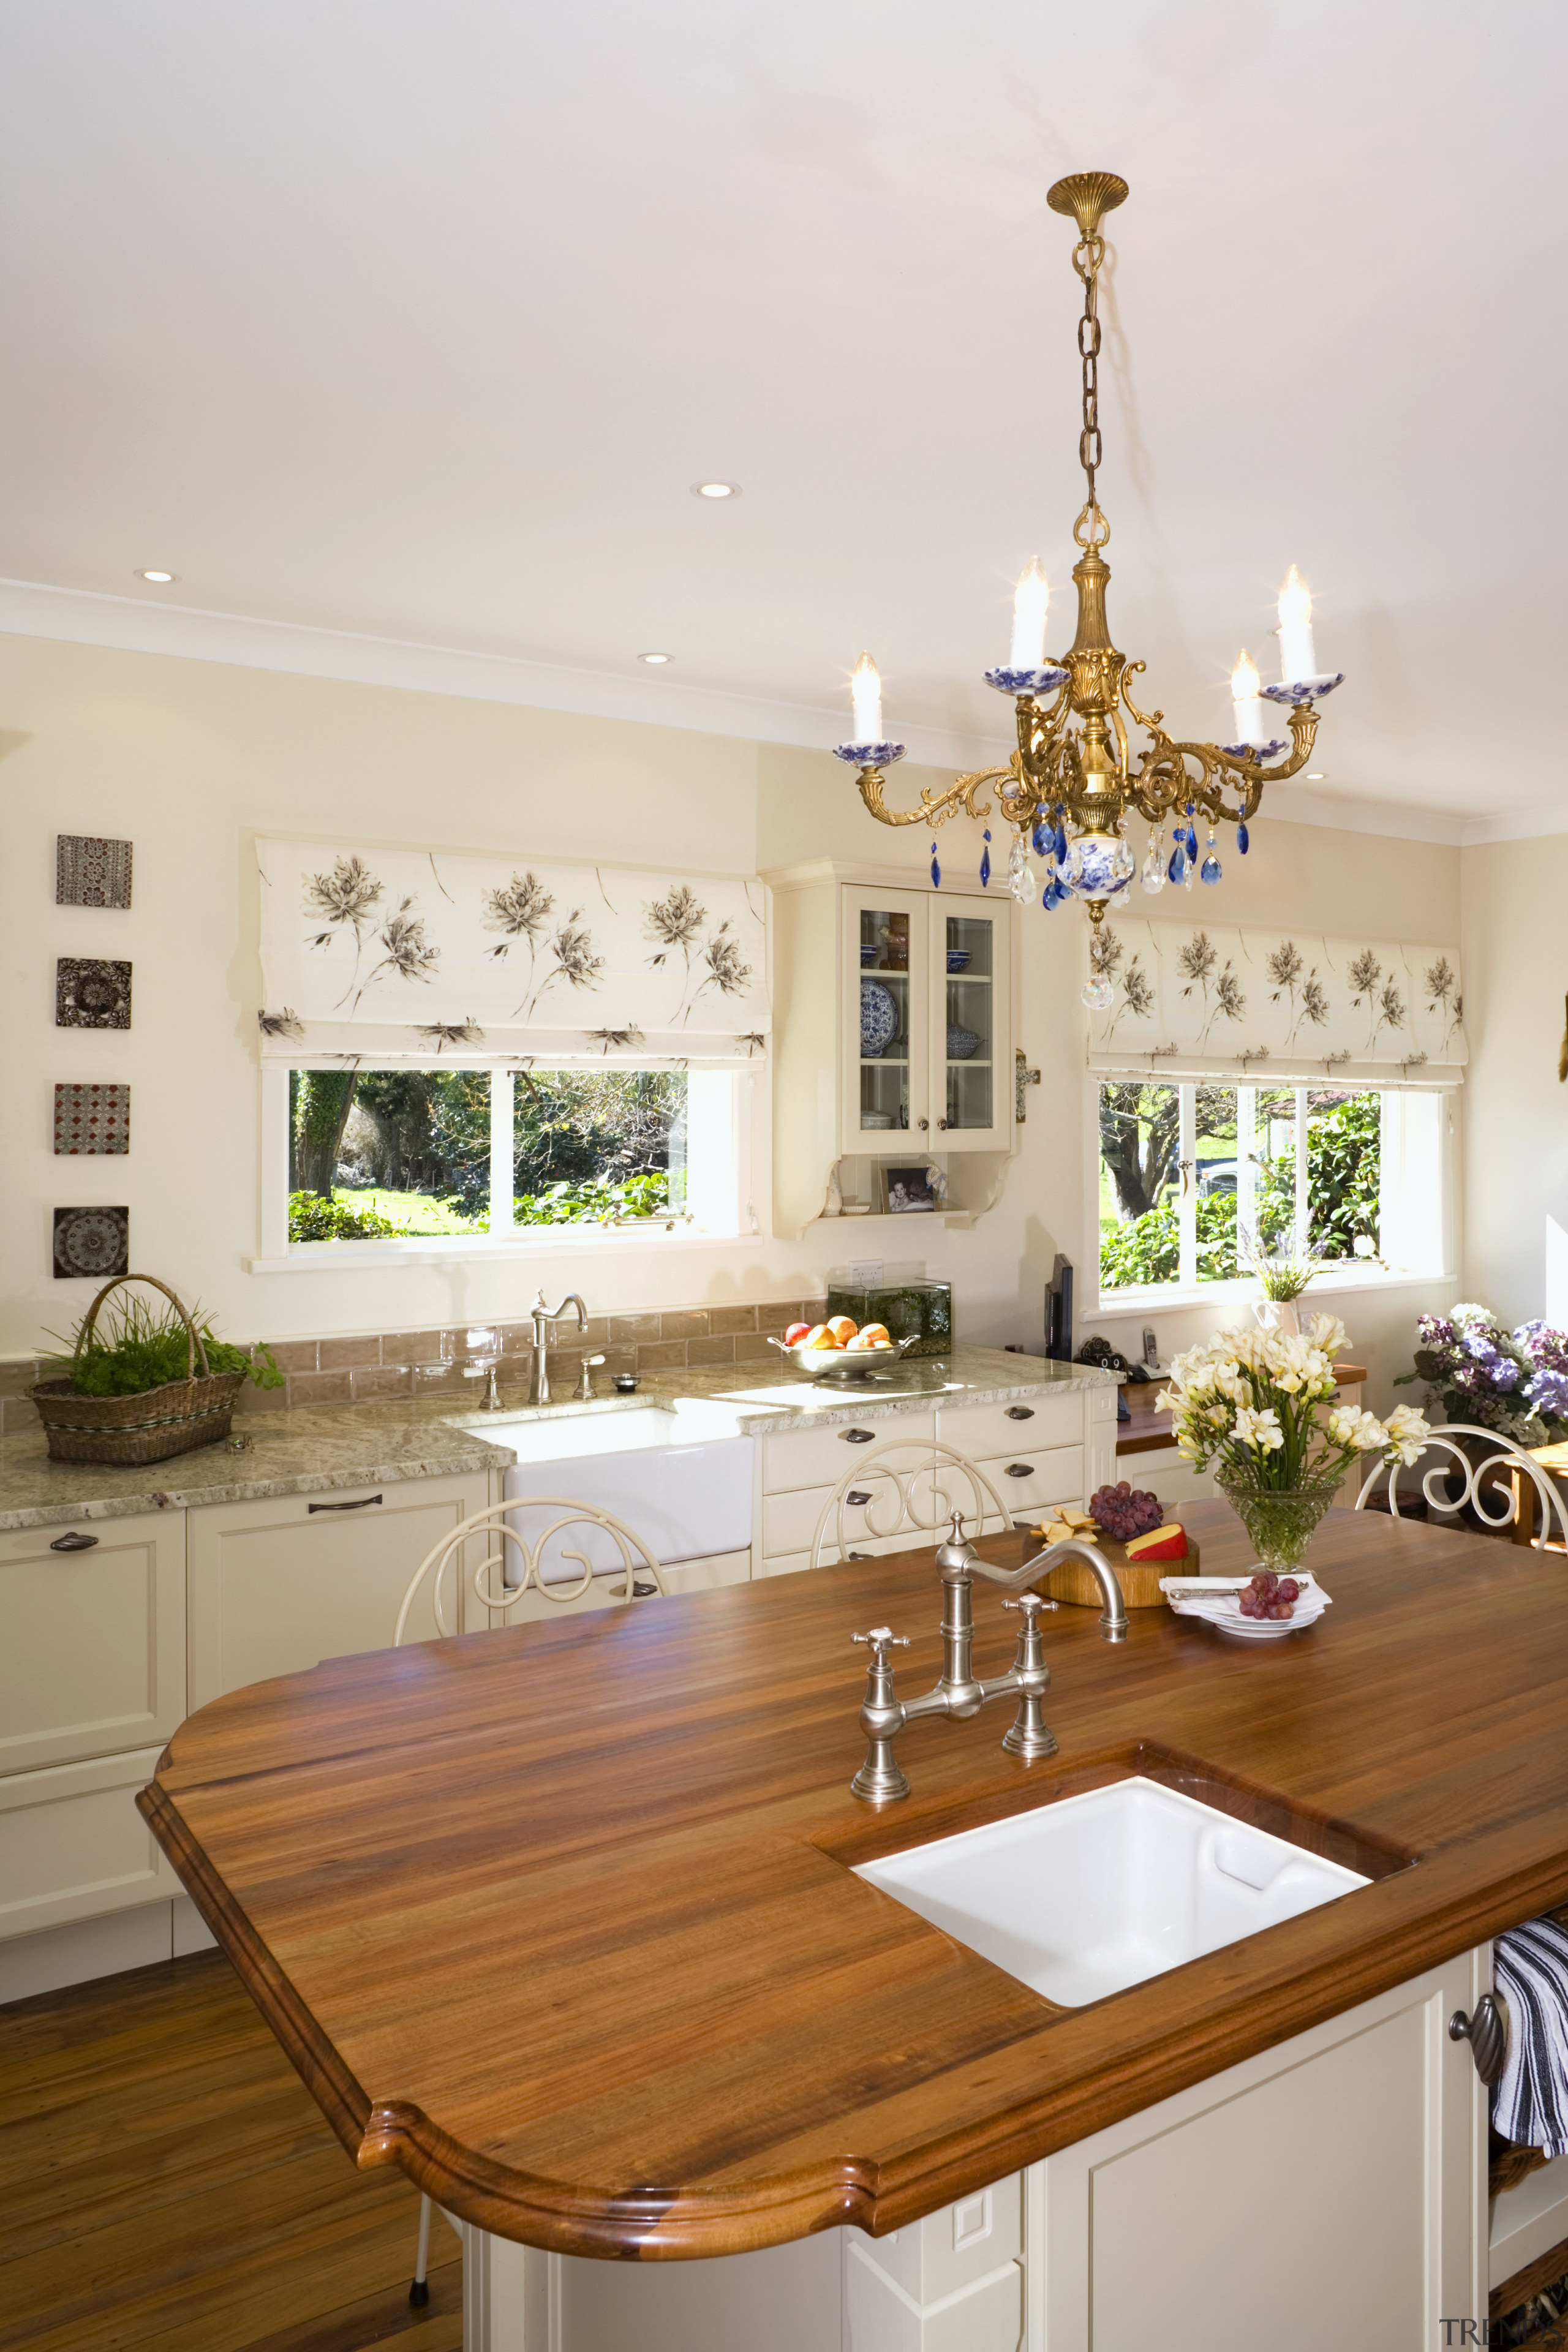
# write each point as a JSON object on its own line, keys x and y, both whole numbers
{"x": 1098, "y": 993}
{"x": 1124, "y": 865}
{"x": 1242, "y": 843}
{"x": 1153, "y": 873}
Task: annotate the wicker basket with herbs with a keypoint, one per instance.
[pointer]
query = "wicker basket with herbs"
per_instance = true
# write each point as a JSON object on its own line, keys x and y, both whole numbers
{"x": 120, "y": 1395}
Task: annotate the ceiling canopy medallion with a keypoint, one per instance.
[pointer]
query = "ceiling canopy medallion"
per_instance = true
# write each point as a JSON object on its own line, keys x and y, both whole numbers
{"x": 1073, "y": 782}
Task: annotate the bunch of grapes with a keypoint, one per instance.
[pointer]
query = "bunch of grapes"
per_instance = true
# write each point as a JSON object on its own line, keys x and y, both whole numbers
{"x": 1125, "y": 1511}
{"x": 1269, "y": 1595}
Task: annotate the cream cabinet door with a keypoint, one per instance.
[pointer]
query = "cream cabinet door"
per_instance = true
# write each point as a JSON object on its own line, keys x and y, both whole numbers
{"x": 969, "y": 979}
{"x": 886, "y": 1058}
{"x": 277, "y": 1585}
{"x": 93, "y": 1657}
{"x": 73, "y": 1845}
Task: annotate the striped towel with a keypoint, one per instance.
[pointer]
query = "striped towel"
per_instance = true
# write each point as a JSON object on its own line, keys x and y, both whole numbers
{"x": 1530, "y": 2104}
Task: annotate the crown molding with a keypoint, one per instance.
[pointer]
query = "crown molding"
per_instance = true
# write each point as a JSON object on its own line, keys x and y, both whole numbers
{"x": 184, "y": 633}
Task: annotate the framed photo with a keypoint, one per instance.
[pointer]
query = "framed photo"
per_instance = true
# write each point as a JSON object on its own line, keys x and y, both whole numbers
{"x": 910, "y": 1190}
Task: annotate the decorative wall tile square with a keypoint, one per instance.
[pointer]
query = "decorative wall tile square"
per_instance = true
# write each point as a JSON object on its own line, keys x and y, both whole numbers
{"x": 90, "y": 871}
{"x": 90, "y": 1119}
{"x": 90, "y": 992}
{"x": 91, "y": 1244}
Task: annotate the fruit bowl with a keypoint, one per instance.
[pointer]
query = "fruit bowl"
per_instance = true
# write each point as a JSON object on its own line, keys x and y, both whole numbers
{"x": 843, "y": 1364}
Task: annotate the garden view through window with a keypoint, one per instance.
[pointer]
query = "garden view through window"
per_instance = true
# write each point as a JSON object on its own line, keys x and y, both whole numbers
{"x": 406, "y": 1154}
{"x": 1190, "y": 1174}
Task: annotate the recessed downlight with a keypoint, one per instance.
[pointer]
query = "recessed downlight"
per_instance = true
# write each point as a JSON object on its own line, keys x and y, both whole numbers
{"x": 159, "y": 579}
{"x": 655, "y": 661}
{"x": 1316, "y": 776}
{"x": 715, "y": 489}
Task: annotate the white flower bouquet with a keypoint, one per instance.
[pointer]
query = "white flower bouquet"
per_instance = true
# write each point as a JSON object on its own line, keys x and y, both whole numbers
{"x": 1257, "y": 1408}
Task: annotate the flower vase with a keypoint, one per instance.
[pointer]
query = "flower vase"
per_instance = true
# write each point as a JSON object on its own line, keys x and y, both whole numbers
{"x": 1281, "y": 1315}
{"x": 1281, "y": 1520}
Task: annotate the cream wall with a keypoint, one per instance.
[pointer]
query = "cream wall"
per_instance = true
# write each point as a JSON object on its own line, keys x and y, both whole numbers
{"x": 189, "y": 760}
{"x": 1516, "y": 1180}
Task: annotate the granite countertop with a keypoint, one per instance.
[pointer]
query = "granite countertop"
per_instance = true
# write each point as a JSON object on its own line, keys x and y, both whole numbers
{"x": 317, "y": 1447}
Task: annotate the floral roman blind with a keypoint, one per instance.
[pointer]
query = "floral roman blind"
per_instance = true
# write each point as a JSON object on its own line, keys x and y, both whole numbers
{"x": 413, "y": 956}
{"x": 1207, "y": 1001}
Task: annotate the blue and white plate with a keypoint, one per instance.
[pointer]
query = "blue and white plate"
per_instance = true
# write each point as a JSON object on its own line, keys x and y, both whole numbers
{"x": 869, "y": 755}
{"x": 1304, "y": 689}
{"x": 878, "y": 1018}
{"x": 1026, "y": 681}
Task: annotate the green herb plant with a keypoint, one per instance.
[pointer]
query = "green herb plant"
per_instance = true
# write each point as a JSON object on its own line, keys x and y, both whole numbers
{"x": 136, "y": 1346}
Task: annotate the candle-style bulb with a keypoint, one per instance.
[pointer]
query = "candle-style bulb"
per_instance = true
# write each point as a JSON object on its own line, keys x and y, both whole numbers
{"x": 1246, "y": 702}
{"x": 1030, "y": 599}
{"x": 1297, "y": 655}
{"x": 866, "y": 688}
{"x": 1245, "y": 682}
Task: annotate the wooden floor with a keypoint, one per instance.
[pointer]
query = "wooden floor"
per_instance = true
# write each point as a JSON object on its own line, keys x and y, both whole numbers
{"x": 165, "y": 2179}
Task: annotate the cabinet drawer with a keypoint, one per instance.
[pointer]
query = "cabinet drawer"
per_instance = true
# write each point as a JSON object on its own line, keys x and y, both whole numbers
{"x": 72, "y": 1843}
{"x": 789, "y": 1523}
{"x": 1053, "y": 1476}
{"x": 690, "y": 1576}
{"x": 985, "y": 1432}
{"x": 94, "y": 1659}
{"x": 819, "y": 1457}
{"x": 276, "y": 1586}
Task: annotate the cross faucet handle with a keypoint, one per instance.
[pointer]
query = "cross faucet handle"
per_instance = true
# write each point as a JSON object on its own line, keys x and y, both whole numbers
{"x": 882, "y": 1639}
{"x": 1031, "y": 1604}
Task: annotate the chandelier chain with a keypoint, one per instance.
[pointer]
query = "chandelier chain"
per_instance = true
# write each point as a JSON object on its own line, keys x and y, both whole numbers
{"x": 1091, "y": 529}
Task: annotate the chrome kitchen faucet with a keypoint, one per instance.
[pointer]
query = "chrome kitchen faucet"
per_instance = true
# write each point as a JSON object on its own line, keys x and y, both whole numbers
{"x": 539, "y": 1393}
{"x": 883, "y": 1714}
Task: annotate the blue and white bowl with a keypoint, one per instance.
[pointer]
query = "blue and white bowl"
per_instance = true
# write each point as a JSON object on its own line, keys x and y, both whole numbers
{"x": 1304, "y": 689}
{"x": 878, "y": 1018}
{"x": 958, "y": 958}
{"x": 962, "y": 1044}
{"x": 868, "y": 954}
{"x": 1026, "y": 681}
{"x": 869, "y": 755}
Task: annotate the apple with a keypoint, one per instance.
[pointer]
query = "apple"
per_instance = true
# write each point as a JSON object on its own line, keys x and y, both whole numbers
{"x": 843, "y": 1327}
{"x": 819, "y": 1336}
{"x": 878, "y": 1332}
{"x": 859, "y": 1345}
{"x": 795, "y": 1334}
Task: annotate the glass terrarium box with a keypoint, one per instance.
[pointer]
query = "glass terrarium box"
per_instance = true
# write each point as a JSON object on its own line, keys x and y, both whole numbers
{"x": 918, "y": 1309}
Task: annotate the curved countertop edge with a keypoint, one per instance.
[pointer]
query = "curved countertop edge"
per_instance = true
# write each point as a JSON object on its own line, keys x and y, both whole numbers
{"x": 398, "y": 1439}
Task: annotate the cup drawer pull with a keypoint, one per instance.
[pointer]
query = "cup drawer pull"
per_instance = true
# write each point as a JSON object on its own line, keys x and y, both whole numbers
{"x": 1020, "y": 1412}
{"x": 1020, "y": 1469}
{"x": 857, "y": 1437}
{"x": 857, "y": 1495}
{"x": 364, "y": 1503}
{"x": 75, "y": 1541}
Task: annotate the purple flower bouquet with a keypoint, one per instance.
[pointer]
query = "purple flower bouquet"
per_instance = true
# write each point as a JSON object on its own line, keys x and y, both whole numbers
{"x": 1513, "y": 1381}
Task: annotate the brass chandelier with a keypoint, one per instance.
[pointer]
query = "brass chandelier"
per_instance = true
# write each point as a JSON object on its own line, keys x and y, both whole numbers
{"x": 1071, "y": 784}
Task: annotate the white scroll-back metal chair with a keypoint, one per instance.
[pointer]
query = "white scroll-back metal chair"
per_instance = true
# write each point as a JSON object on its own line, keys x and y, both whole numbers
{"x": 1496, "y": 1502}
{"x": 910, "y": 1484}
{"x": 638, "y": 1574}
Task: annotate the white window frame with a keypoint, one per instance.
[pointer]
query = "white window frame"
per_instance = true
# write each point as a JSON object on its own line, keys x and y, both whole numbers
{"x": 727, "y": 1162}
{"x": 1417, "y": 1130}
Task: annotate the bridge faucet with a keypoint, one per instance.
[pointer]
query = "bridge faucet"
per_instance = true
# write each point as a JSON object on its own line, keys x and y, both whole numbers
{"x": 959, "y": 1693}
{"x": 539, "y": 1393}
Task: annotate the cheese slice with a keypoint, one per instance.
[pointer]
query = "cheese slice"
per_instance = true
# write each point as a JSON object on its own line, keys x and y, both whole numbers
{"x": 1169, "y": 1542}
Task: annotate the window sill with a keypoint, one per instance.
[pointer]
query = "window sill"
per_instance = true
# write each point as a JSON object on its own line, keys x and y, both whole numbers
{"x": 544, "y": 1240}
{"x": 1245, "y": 1294}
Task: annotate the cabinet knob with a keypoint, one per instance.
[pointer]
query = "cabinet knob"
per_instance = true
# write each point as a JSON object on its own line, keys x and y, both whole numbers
{"x": 75, "y": 1541}
{"x": 1020, "y": 1412}
{"x": 1487, "y": 2035}
{"x": 923, "y": 1123}
{"x": 941, "y": 1123}
{"x": 858, "y": 1437}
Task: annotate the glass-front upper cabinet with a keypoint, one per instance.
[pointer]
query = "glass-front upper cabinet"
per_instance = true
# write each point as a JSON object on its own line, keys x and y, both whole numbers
{"x": 927, "y": 1017}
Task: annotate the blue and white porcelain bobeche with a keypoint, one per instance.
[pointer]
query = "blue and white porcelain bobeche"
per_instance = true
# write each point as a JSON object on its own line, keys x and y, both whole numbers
{"x": 1026, "y": 681}
{"x": 869, "y": 755}
{"x": 878, "y": 1018}
{"x": 1254, "y": 751}
{"x": 1304, "y": 689}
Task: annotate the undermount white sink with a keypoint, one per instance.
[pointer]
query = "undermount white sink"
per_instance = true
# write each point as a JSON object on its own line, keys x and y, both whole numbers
{"x": 1092, "y": 1894}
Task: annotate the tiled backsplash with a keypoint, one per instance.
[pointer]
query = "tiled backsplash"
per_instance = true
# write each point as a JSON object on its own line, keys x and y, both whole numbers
{"x": 385, "y": 1364}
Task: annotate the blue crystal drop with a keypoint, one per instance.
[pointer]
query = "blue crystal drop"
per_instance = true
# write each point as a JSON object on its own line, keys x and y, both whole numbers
{"x": 1061, "y": 840}
{"x": 1211, "y": 869}
{"x": 986, "y": 866}
{"x": 1241, "y": 840}
{"x": 1042, "y": 839}
{"x": 1048, "y": 894}
{"x": 935, "y": 869}
{"x": 1177, "y": 868}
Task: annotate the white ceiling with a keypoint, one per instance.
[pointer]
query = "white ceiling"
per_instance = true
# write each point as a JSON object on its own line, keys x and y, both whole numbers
{"x": 416, "y": 322}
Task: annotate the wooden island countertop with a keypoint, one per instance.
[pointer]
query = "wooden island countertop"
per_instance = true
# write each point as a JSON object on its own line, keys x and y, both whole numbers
{"x": 560, "y": 1918}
